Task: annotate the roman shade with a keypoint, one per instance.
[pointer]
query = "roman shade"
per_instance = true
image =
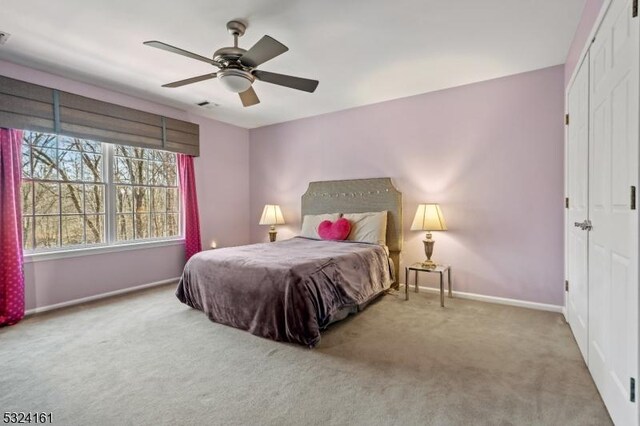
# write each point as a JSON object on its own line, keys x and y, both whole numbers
{"x": 26, "y": 106}
{"x": 32, "y": 107}
{"x": 181, "y": 136}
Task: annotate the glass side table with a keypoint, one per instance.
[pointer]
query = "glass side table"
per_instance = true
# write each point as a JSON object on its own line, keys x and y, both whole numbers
{"x": 417, "y": 267}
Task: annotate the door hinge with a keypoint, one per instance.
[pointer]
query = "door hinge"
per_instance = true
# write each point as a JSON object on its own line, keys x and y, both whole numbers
{"x": 632, "y": 389}
{"x": 566, "y": 285}
{"x": 566, "y": 202}
{"x": 566, "y": 119}
{"x": 633, "y": 197}
{"x": 634, "y": 9}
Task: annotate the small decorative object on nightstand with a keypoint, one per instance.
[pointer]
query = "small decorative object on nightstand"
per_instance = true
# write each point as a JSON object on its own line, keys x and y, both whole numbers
{"x": 419, "y": 267}
{"x": 272, "y": 215}
{"x": 428, "y": 218}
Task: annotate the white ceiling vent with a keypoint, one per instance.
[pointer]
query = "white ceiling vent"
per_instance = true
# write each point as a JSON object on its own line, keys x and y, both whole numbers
{"x": 208, "y": 105}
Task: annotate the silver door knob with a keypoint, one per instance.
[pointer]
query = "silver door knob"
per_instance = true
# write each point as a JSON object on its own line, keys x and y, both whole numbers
{"x": 584, "y": 225}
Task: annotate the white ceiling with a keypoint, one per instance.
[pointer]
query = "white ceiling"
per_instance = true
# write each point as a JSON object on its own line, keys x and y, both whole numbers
{"x": 361, "y": 51}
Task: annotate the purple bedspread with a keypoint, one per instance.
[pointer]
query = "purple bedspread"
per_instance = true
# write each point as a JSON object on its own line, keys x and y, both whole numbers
{"x": 287, "y": 290}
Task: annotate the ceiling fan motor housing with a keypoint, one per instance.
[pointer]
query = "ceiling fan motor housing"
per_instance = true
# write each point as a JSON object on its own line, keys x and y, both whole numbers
{"x": 228, "y": 55}
{"x": 231, "y": 55}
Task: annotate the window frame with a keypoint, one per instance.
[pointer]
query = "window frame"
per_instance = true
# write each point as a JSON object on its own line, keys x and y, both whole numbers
{"x": 111, "y": 243}
{"x": 112, "y": 194}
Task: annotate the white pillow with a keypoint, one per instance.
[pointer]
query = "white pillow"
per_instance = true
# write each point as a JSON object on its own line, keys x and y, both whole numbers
{"x": 310, "y": 223}
{"x": 368, "y": 227}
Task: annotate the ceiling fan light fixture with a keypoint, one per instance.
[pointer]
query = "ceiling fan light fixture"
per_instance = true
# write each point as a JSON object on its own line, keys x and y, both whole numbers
{"x": 236, "y": 81}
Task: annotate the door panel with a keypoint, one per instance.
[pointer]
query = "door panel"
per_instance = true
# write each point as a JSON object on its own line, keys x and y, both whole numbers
{"x": 613, "y": 242}
{"x": 577, "y": 191}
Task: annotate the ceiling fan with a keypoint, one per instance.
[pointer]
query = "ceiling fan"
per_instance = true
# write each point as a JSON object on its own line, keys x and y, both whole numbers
{"x": 237, "y": 66}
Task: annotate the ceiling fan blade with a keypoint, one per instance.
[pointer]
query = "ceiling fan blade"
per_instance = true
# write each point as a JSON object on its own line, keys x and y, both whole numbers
{"x": 287, "y": 80}
{"x": 265, "y": 49}
{"x": 173, "y": 49}
{"x": 249, "y": 97}
{"x": 190, "y": 80}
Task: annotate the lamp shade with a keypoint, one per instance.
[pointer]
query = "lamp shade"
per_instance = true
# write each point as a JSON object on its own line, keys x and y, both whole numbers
{"x": 271, "y": 215}
{"x": 428, "y": 218}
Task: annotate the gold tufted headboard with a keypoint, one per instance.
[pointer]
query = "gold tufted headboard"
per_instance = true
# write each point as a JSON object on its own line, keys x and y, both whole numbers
{"x": 359, "y": 196}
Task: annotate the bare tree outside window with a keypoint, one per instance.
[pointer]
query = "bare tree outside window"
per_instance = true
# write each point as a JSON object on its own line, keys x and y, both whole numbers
{"x": 146, "y": 193}
{"x": 63, "y": 191}
{"x": 65, "y": 188}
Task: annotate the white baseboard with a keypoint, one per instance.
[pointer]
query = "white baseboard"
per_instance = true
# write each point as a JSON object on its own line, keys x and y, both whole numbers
{"x": 498, "y": 300}
{"x": 459, "y": 294}
{"x": 41, "y": 309}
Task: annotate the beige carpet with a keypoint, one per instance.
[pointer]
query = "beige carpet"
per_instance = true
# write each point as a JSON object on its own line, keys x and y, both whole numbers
{"x": 147, "y": 359}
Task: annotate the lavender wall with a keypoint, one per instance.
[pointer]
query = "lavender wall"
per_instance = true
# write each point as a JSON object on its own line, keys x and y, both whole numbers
{"x": 491, "y": 153}
{"x": 222, "y": 179}
{"x": 589, "y": 15}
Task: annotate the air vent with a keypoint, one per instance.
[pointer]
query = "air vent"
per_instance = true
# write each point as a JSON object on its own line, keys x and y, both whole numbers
{"x": 208, "y": 105}
{"x": 4, "y": 37}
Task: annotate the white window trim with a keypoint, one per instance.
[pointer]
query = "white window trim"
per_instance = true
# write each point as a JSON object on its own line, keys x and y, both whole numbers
{"x": 34, "y": 257}
{"x": 112, "y": 245}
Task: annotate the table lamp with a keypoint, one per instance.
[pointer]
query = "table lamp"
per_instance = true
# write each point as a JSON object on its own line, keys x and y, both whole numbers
{"x": 428, "y": 218}
{"x": 272, "y": 215}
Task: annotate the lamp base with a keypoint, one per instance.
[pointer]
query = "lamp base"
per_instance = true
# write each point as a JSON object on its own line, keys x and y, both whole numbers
{"x": 429, "y": 264}
{"x": 428, "y": 250}
{"x": 272, "y": 234}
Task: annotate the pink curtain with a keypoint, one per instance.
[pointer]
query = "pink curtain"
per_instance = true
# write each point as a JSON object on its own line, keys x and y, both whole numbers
{"x": 190, "y": 215}
{"x": 11, "y": 273}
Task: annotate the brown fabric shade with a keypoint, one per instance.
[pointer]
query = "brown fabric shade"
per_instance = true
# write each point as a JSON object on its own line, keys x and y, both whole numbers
{"x": 32, "y": 107}
{"x": 26, "y": 106}
{"x": 181, "y": 136}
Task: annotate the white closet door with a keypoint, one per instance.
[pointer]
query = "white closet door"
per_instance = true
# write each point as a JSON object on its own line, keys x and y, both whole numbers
{"x": 578, "y": 192}
{"x": 613, "y": 242}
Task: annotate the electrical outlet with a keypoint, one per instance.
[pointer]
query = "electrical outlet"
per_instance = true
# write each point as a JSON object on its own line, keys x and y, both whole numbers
{"x": 4, "y": 36}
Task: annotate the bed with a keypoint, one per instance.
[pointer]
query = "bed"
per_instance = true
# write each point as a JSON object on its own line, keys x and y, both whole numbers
{"x": 291, "y": 290}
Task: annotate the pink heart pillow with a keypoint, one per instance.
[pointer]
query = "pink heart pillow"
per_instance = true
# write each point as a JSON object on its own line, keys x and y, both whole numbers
{"x": 338, "y": 230}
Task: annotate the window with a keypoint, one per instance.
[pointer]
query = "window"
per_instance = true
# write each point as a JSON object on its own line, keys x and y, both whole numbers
{"x": 146, "y": 193}
{"x": 79, "y": 193}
